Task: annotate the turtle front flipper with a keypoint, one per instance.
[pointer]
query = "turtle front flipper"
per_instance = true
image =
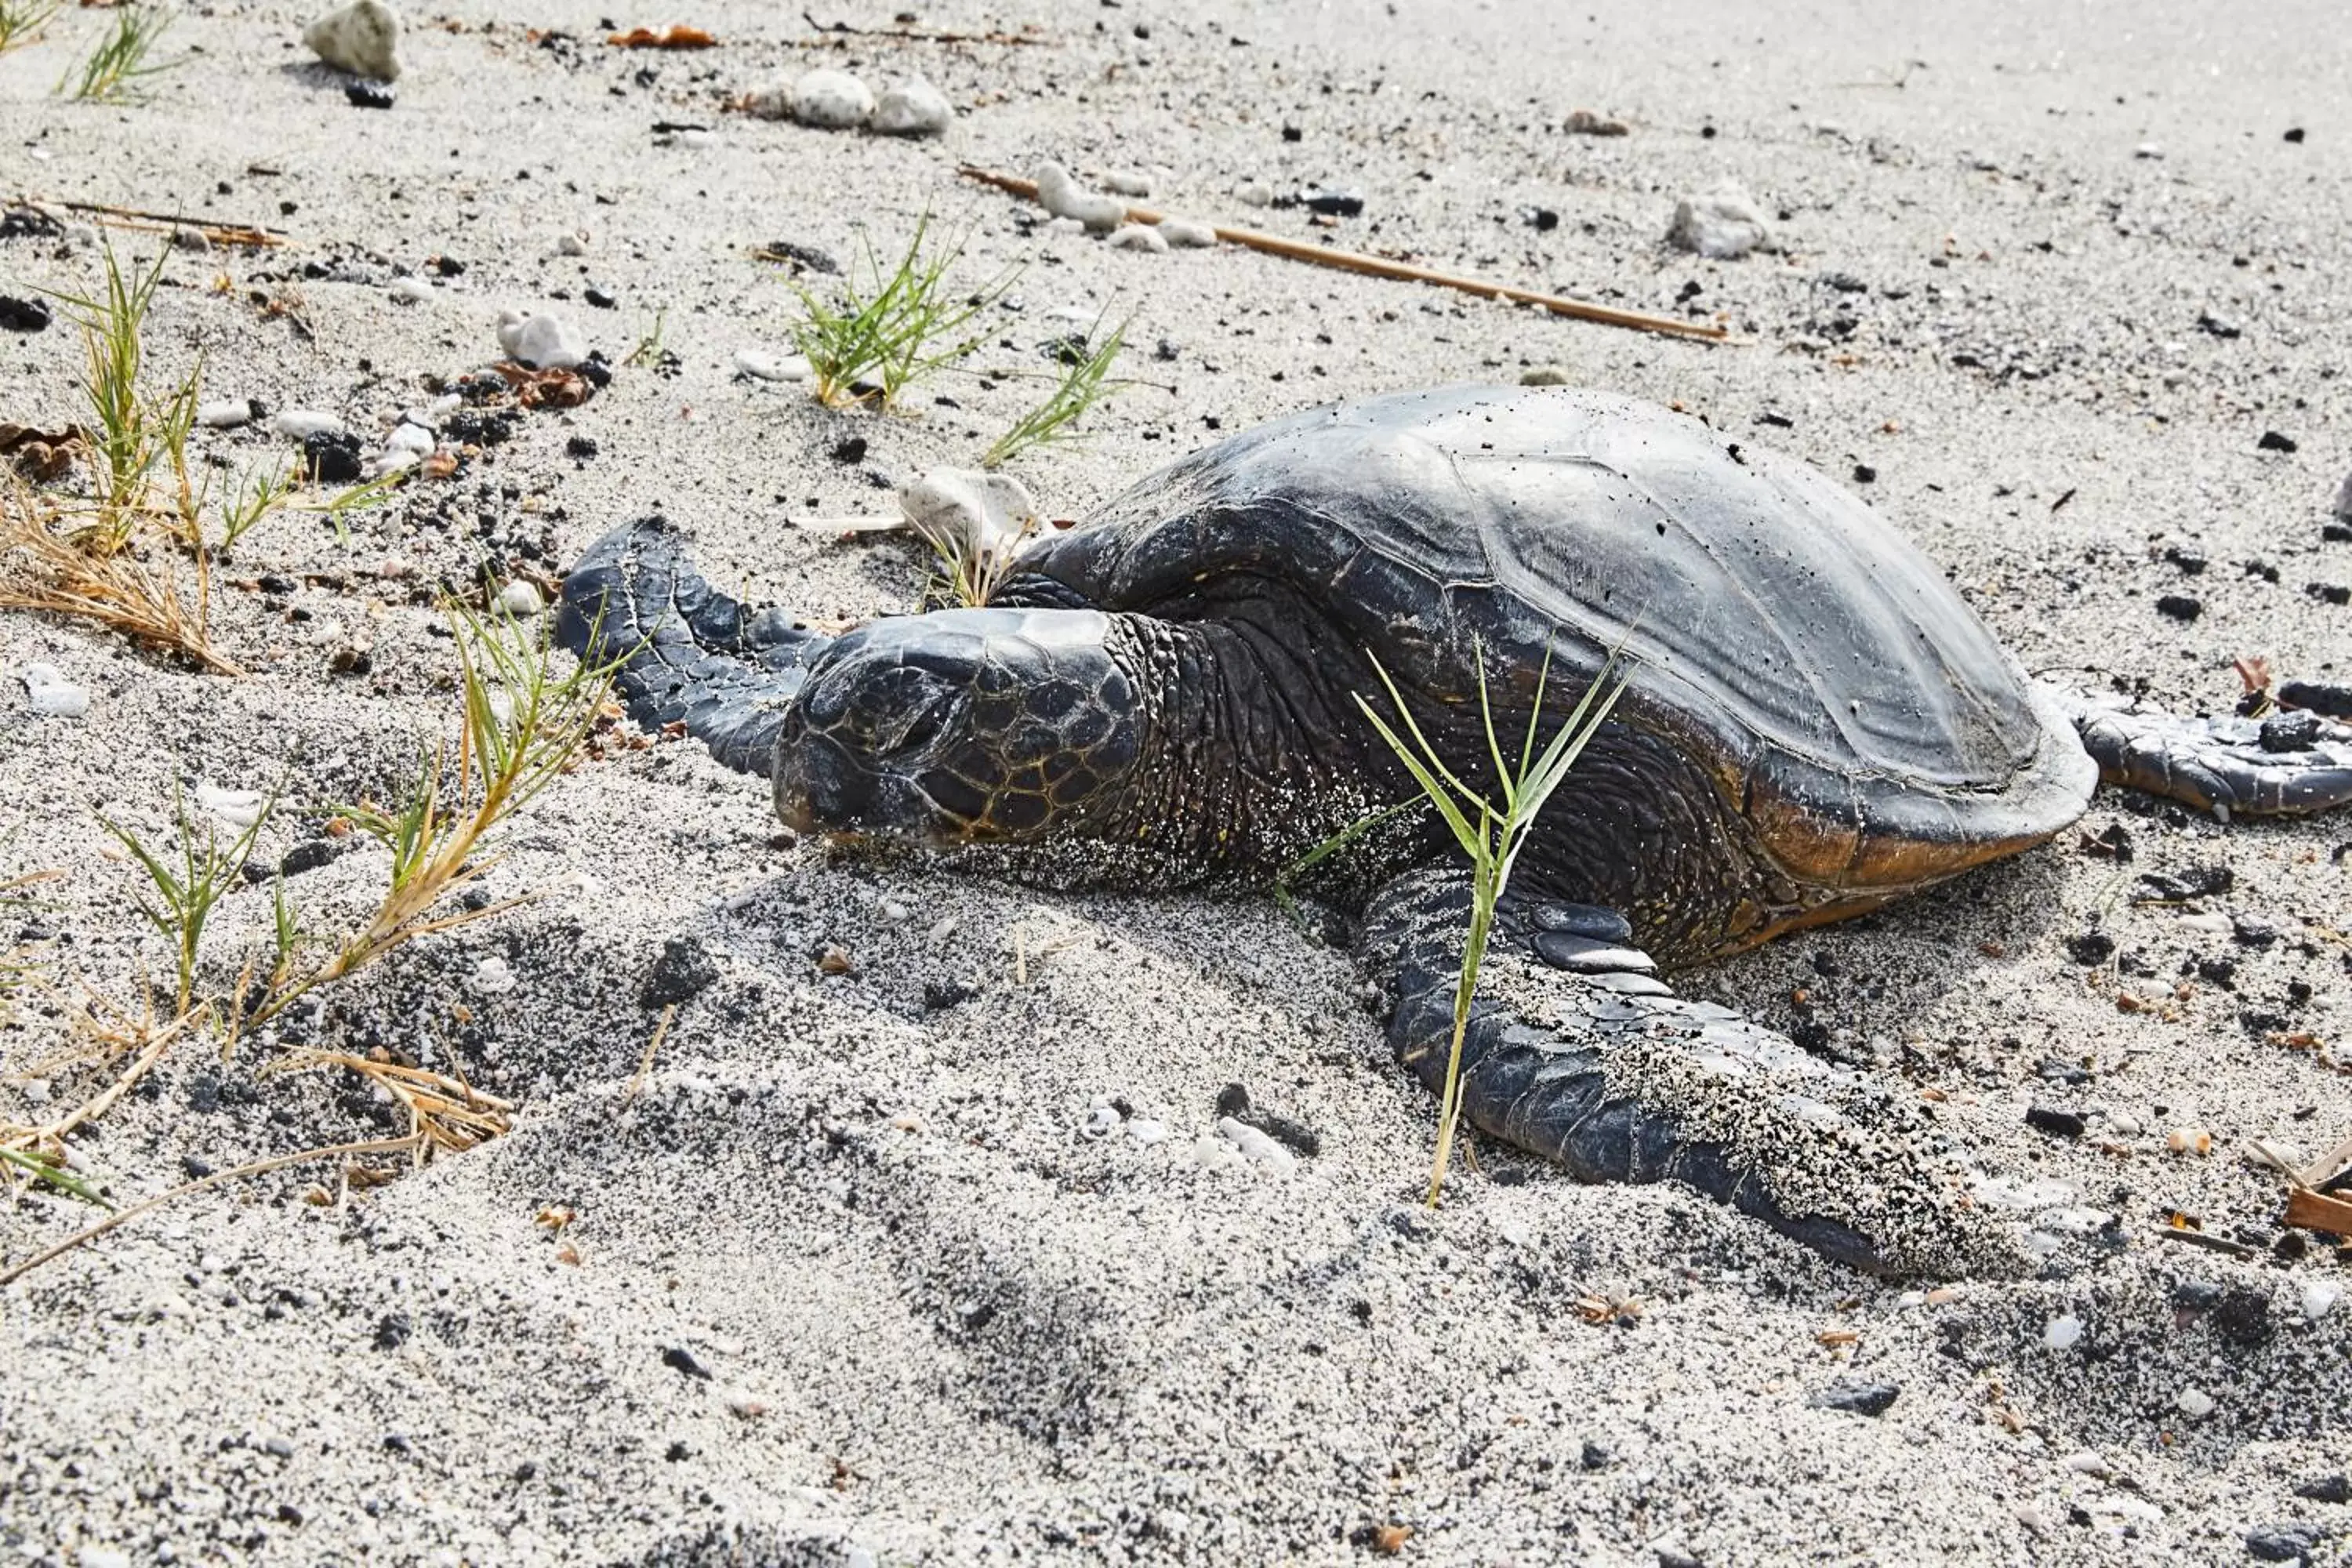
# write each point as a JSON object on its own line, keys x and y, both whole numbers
{"x": 2288, "y": 763}
{"x": 687, "y": 654}
{"x": 1576, "y": 1052}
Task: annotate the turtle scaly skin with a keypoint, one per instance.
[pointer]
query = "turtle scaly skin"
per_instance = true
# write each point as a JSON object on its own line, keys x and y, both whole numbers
{"x": 1814, "y": 722}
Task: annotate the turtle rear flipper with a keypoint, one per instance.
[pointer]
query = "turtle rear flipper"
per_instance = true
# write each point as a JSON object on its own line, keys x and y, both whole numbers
{"x": 1577, "y": 1053}
{"x": 2289, "y": 764}
{"x": 687, "y": 654}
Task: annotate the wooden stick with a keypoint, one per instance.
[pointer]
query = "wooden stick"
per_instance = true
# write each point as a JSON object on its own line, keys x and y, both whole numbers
{"x": 1405, "y": 272}
{"x": 2317, "y": 1211}
{"x": 835, "y": 35}
{"x": 158, "y": 223}
{"x": 2320, "y": 1171}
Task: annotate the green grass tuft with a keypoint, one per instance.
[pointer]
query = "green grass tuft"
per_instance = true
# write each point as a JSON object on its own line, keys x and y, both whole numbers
{"x": 1490, "y": 835}
{"x": 21, "y": 21}
{"x": 121, "y": 57}
{"x": 886, "y": 331}
{"x": 1082, "y": 386}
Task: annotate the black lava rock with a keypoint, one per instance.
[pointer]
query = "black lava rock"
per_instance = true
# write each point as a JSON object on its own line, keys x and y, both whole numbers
{"x": 2054, "y": 1119}
{"x": 2273, "y": 441}
{"x": 2187, "y": 557}
{"x": 23, "y": 315}
{"x": 2242, "y": 1316}
{"x": 2283, "y": 1543}
{"x": 2175, "y": 887}
{"x": 682, "y": 1359}
{"x": 2334, "y": 701}
{"x": 684, "y": 971}
{"x": 1864, "y": 474}
{"x": 599, "y": 299}
{"x": 1333, "y": 202}
{"x": 1596, "y": 1456}
{"x": 331, "y": 457}
{"x": 939, "y": 995}
{"x": 1857, "y": 1398}
{"x": 2289, "y": 731}
{"x": 2092, "y": 948}
{"x": 2218, "y": 327}
{"x": 2180, "y": 607}
{"x": 2294, "y": 133}
{"x": 2329, "y": 592}
{"x": 581, "y": 446}
{"x": 1543, "y": 220}
{"x": 310, "y": 854}
{"x": 2335, "y": 533}
{"x": 368, "y": 95}
{"x": 2334, "y": 1488}
{"x": 474, "y": 428}
{"x": 849, "y": 449}
{"x": 2252, "y": 930}
{"x": 392, "y": 1330}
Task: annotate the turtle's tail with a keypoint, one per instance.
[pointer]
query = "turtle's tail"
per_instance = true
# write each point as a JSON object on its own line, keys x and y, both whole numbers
{"x": 685, "y": 653}
{"x": 2292, "y": 763}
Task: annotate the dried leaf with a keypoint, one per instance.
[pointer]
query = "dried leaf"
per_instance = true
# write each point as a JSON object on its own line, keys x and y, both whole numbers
{"x": 678, "y": 38}
{"x": 43, "y": 457}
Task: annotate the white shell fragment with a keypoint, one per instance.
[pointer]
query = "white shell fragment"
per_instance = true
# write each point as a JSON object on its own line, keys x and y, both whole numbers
{"x": 363, "y": 39}
{"x": 412, "y": 291}
{"x": 1138, "y": 236}
{"x": 1260, "y": 1150}
{"x": 970, "y": 511}
{"x": 1064, "y": 197}
{"x": 912, "y": 107}
{"x": 301, "y": 423}
{"x": 1722, "y": 225}
{"x": 760, "y": 364}
{"x": 1122, "y": 183}
{"x": 46, "y": 690}
{"x": 2194, "y": 1402}
{"x": 521, "y": 600}
{"x": 1187, "y": 234}
{"x": 542, "y": 342}
{"x": 831, "y": 100}
{"x": 226, "y": 415}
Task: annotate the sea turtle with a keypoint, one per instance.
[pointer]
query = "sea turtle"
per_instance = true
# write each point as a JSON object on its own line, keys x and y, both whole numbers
{"x": 1813, "y": 722}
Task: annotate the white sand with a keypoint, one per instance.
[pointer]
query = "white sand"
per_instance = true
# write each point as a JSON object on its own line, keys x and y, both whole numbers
{"x": 938, "y": 1324}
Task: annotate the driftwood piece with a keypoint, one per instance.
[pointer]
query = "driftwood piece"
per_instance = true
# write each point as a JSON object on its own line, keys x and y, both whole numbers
{"x": 1404, "y": 271}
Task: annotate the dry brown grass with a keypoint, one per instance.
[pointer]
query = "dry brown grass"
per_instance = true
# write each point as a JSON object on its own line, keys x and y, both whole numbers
{"x": 444, "y": 1113}
{"x": 50, "y": 572}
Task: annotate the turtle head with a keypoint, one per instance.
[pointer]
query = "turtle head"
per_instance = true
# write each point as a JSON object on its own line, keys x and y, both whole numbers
{"x": 962, "y": 727}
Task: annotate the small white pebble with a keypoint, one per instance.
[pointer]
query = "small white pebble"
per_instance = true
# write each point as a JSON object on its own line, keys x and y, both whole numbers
{"x": 761, "y": 366}
{"x": 298, "y": 423}
{"x": 944, "y": 928}
{"x": 2195, "y": 1403}
{"x": 521, "y": 600}
{"x": 46, "y": 690}
{"x": 412, "y": 289}
{"x": 893, "y": 910}
{"x": 541, "y": 341}
{"x": 1139, "y": 237}
{"x": 1060, "y": 226}
{"x": 1912, "y": 1299}
{"x": 1212, "y": 1153}
{"x": 409, "y": 438}
{"x": 2319, "y": 1299}
{"x": 1261, "y": 1151}
{"x": 1102, "y": 1118}
{"x": 910, "y": 108}
{"x": 831, "y": 100}
{"x": 572, "y": 244}
{"x": 238, "y": 807}
{"x": 492, "y": 977}
{"x": 104, "y": 1557}
{"x": 2086, "y": 1461}
{"x": 37, "y": 1090}
{"x": 2063, "y": 1333}
{"x": 226, "y": 415}
{"x": 1253, "y": 193}
{"x": 1125, "y": 183}
{"x": 1063, "y": 196}
{"x": 697, "y": 137}
{"x": 1187, "y": 234}
{"x": 2147, "y": 149}
{"x": 1147, "y": 1132}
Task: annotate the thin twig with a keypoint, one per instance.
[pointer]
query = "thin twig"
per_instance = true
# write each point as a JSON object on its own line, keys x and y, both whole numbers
{"x": 646, "y": 1062}
{"x": 2210, "y": 1243}
{"x": 1381, "y": 267}
{"x": 835, "y": 35}
{"x": 252, "y": 236}
{"x": 259, "y": 1167}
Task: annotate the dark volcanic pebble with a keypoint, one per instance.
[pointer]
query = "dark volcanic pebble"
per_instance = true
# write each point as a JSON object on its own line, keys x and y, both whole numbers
{"x": 23, "y": 315}
{"x": 2289, "y": 731}
{"x": 684, "y": 971}
{"x": 2335, "y": 1487}
{"x": 2273, "y": 441}
{"x": 368, "y": 95}
{"x": 2180, "y": 606}
{"x": 849, "y": 449}
{"x": 1858, "y": 1398}
{"x": 310, "y": 854}
{"x": 2283, "y": 1543}
{"x": 1864, "y": 474}
{"x": 2053, "y": 1118}
{"x": 2329, "y": 592}
{"x": 2093, "y": 947}
{"x": 941, "y": 994}
{"x": 682, "y": 1359}
{"x": 331, "y": 457}
{"x": 1333, "y": 204}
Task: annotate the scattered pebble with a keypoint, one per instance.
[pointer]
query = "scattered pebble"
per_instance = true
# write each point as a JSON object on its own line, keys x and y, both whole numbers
{"x": 103, "y": 1557}
{"x": 1062, "y": 226}
{"x": 572, "y": 244}
{"x": 2063, "y": 1333}
{"x": 521, "y": 600}
{"x": 1187, "y": 234}
{"x": 2275, "y": 441}
{"x": 2335, "y": 1486}
{"x": 1253, "y": 193}
{"x": 412, "y": 289}
{"x": 2319, "y": 1299}
{"x": 1125, "y": 183}
{"x": 301, "y": 423}
{"x": 1260, "y": 1150}
{"x": 2342, "y": 507}
{"x": 1147, "y": 1131}
{"x": 2283, "y": 1543}
{"x": 1333, "y": 202}
{"x": 226, "y": 415}
{"x": 2182, "y": 607}
{"x": 2189, "y": 1141}
{"x": 23, "y": 315}
{"x": 830, "y": 101}
{"x": 1064, "y": 197}
{"x": 1546, "y": 375}
{"x": 760, "y": 364}
{"x": 1584, "y": 122}
{"x": 912, "y": 107}
{"x": 2194, "y": 1402}
{"x": 368, "y": 95}
{"x": 492, "y": 977}
{"x": 46, "y": 690}
{"x": 240, "y": 808}
{"x": 541, "y": 341}
{"x": 331, "y": 457}
{"x": 1721, "y": 225}
{"x": 2147, "y": 149}
{"x": 2055, "y": 1121}
{"x": 2087, "y": 1462}
{"x": 1857, "y": 1398}
{"x": 1138, "y": 236}
{"x": 363, "y": 39}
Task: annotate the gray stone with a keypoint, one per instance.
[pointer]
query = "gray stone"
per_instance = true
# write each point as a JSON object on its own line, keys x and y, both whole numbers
{"x": 363, "y": 39}
{"x": 912, "y": 107}
{"x": 1722, "y": 225}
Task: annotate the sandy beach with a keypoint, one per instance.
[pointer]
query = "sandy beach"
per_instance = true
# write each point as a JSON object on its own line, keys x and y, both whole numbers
{"x": 906, "y": 1255}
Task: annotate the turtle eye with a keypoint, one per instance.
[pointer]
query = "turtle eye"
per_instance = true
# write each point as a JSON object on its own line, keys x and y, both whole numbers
{"x": 899, "y": 710}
